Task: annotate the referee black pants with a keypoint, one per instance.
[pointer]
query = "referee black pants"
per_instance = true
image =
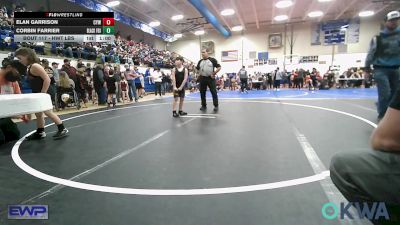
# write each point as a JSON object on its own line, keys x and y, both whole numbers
{"x": 210, "y": 83}
{"x": 243, "y": 84}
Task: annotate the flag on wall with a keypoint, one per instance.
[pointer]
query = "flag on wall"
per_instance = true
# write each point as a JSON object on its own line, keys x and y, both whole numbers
{"x": 229, "y": 56}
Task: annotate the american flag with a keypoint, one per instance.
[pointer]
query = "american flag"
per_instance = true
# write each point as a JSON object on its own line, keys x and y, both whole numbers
{"x": 229, "y": 56}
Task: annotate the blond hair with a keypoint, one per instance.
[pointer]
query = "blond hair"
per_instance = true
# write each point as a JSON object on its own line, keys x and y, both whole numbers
{"x": 64, "y": 80}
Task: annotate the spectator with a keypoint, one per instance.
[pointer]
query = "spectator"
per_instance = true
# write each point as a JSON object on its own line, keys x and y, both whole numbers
{"x": 277, "y": 79}
{"x": 243, "y": 79}
{"x": 50, "y": 72}
{"x": 99, "y": 84}
{"x": 81, "y": 86}
{"x": 65, "y": 81}
{"x": 130, "y": 77}
{"x": 80, "y": 64}
{"x": 9, "y": 75}
{"x": 157, "y": 80}
{"x": 138, "y": 83}
{"x": 56, "y": 71}
{"x": 300, "y": 78}
{"x": 70, "y": 70}
{"x": 117, "y": 75}
{"x": 314, "y": 78}
{"x": 111, "y": 88}
{"x": 124, "y": 89}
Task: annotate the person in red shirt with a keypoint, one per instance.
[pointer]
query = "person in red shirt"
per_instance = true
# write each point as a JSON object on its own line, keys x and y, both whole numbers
{"x": 10, "y": 74}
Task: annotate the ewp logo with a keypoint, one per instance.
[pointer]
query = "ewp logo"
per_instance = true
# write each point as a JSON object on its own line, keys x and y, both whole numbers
{"x": 26, "y": 212}
{"x": 375, "y": 211}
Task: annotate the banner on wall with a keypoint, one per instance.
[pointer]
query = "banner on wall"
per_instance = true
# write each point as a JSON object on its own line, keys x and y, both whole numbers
{"x": 353, "y": 31}
{"x": 334, "y": 37}
{"x": 308, "y": 59}
{"x": 230, "y": 56}
{"x": 272, "y": 61}
{"x": 315, "y": 34}
{"x": 99, "y": 7}
{"x": 252, "y": 54}
{"x": 337, "y": 32}
{"x": 334, "y": 25}
{"x": 263, "y": 55}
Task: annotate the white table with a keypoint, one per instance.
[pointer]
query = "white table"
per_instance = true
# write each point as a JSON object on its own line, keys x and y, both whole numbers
{"x": 22, "y": 104}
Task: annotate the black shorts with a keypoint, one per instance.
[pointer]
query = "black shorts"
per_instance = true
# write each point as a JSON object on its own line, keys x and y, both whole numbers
{"x": 179, "y": 94}
{"x": 138, "y": 86}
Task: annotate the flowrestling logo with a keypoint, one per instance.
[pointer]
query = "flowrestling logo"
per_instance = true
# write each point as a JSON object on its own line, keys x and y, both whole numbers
{"x": 28, "y": 212}
{"x": 364, "y": 210}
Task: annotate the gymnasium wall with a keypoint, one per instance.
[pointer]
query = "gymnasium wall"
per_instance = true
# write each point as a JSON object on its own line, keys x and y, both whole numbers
{"x": 354, "y": 55}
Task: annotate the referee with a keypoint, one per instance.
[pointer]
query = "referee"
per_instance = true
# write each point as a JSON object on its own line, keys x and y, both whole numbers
{"x": 208, "y": 67}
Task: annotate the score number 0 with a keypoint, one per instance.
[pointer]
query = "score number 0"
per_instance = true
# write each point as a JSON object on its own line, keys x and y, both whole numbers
{"x": 108, "y": 21}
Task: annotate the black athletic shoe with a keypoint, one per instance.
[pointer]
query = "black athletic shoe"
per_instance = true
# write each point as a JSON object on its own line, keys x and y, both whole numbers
{"x": 203, "y": 108}
{"x": 174, "y": 114}
{"x": 36, "y": 136}
{"x": 182, "y": 113}
{"x": 61, "y": 134}
{"x": 216, "y": 109}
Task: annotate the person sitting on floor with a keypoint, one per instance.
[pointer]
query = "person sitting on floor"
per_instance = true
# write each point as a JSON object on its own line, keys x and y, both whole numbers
{"x": 10, "y": 74}
{"x": 373, "y": 176}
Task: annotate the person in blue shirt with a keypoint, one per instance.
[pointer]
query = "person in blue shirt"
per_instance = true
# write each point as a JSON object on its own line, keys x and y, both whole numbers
{"x": 384, "y": 55}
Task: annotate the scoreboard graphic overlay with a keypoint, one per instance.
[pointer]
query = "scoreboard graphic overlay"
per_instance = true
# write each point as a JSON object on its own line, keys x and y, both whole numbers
{"x": 64, "y": 27}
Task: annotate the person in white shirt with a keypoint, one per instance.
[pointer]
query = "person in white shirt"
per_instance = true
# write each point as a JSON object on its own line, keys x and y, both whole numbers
{"x": 156, "y": 76}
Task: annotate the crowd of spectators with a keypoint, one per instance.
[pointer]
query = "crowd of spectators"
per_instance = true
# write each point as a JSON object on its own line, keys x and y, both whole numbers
{"x": 7, "y": 25}
{"x": 296, "y": 79}
{"x": 121, "y": 51}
